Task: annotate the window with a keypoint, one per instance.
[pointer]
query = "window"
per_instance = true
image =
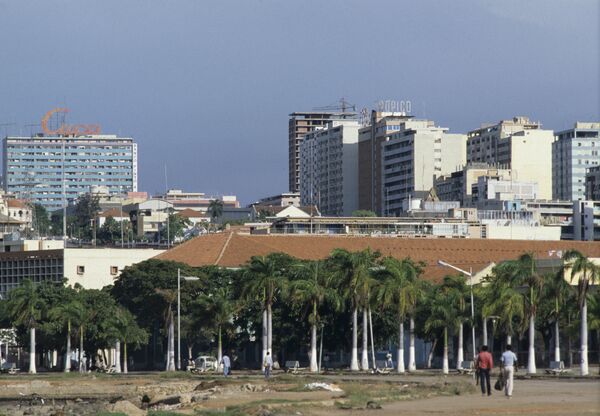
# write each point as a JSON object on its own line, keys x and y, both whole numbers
{"x": 80, "y": 270}
{"x": 114, "y": 270}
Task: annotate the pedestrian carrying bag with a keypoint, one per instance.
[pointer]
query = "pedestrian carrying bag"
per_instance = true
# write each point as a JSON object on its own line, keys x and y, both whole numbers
{"x": 500, "y": 382}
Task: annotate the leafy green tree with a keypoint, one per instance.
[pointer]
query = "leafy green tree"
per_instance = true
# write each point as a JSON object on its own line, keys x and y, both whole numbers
{"x": 87, "y": 208}
{"x": 177, "y": 226}
{"x": 128, "y": 332}
{"x": 312, "y": 287}
{"x": 458, "y": 291}
{"x": 26, "y": 308}
{"x": 586, "y": 272}
{"x": 215, "y": 208}
{"x": 41, "y": 220}
{"x": 110, "y": 232}
{"x": 398, "y": 292}
{"x": 216, "y": 310}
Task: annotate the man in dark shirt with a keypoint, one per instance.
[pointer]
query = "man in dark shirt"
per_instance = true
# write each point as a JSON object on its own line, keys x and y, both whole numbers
{"x": 485, "y": 363}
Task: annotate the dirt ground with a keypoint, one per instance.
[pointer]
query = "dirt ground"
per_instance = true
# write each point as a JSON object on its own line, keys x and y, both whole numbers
{"x": 424, "y": 394}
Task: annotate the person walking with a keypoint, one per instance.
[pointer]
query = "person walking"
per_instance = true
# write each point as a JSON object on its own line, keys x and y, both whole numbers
{"x": 226, "y": 365}
{"x": 509, "y": 361}
{"x": 268, "y": 365}
{"x": 485, "y": 364}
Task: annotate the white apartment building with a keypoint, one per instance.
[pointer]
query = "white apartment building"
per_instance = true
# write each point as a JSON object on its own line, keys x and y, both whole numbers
{"x": 573, "y": 153}
{"x": 413, "y": 157}
{"x": 518, "y": 144}
{"x": 487, "y": 189}
{"x": 586, "y": 220}
{"x": 329, "y": 168}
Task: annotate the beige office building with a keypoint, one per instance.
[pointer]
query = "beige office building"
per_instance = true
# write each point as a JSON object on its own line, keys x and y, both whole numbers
{"x": 517, "y": 144}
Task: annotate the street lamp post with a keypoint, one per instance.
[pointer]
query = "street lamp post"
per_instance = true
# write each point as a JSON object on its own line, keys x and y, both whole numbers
{"x": 179, "y": 277}
{"x": 470, "y": 275}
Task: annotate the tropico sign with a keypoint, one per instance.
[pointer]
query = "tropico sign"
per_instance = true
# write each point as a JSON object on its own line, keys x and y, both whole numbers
{"x": 65, "y": 129}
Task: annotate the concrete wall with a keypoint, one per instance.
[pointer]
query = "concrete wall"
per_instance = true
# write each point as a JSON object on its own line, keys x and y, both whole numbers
{"x": 522, "y": 232}
{"x": 531, "y": 154}
{"x": 98, "y": 264}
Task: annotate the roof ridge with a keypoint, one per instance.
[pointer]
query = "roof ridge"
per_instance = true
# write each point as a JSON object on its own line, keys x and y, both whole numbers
{"x": 223, "y": 249}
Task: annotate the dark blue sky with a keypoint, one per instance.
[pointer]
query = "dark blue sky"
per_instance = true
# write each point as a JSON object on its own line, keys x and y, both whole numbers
{"x": 206, "y": 87}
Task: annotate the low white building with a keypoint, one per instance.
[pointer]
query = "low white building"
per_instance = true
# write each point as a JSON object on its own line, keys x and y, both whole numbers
{"x": 586, "y": 220}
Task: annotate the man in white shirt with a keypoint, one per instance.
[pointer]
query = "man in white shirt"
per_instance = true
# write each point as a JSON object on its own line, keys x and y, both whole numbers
{"x": 226, "y": 364}
{"x": 509, "y": 361}
{"x": 268, "y": 365}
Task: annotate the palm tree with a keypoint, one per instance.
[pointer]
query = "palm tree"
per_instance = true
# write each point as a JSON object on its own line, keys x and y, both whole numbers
{"x": 557, "y": 289}
{"x": 445, "y": 315}
{"x": 586, "y": 273}
{"x": 312, "y": 288}
{"x": 594, "y": 306}
{"x": 26, "y": 307}
{"x": 457, "y": 292}
{"x": 68, "y": 313}
{"x": 128, "y": 331}
{"x": 218, "y": 309}
{"x": 353, "y": 272}
{"x": 264, "y": 280}
{"x": 215, "y": 207}
{"x": 169, "y": 297}
{"x": 398, "y": 292}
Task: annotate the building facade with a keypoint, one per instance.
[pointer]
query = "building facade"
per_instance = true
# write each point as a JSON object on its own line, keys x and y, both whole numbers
{"x": 573, "y": 153}
{"x": 329, "y": 168}
{"x": 413, "y": 157}
{"x": 378, "y": 127}
{"x": 510, "y": 144}
{"x": 300, "y": 124}
{"x": 34, "y": 167}
{"x": 586, "y": 220}
{"x": 592, "y": 184}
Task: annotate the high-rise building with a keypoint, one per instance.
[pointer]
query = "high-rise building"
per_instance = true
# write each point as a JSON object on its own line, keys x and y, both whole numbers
{"x": 329, "y": 168}
{"x": 413, "y": 157}
{"x": 301, "y": 123}
{"x": 519, "y": 145}
{"x": 573, "y": 153}
{"x": 379, "y": 126}
{"x": 35, "y": 167}
{"x": 592, "y": 184}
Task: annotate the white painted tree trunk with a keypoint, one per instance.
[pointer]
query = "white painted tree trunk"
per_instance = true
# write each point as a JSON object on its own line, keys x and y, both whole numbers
{"x": 54, "y": 358}
{"x": 412, "y": 365}
{"x": 265, "y": 330}
{"x": 531, "y": 356}
{"x": 445, "y": 367}
{"x": 313, "y": 349}
{"x": 364, "y": 359}
{"x": 461, "y": 355}
{"x": 556, "y": 341}
{"x": 270, "y": 332}
{"x": 31, "y": 351}
{"x": 118, "y": 356}
{"x": 80, "y": 352}
{"x": 401, "y": 369}
{"x": 372, "y": 341}
{"x": 509, "y": 340}
{"x": 219, "y": 349}
{"x": 125, "y": 368}
{"x": 584, "y": 340}
{"x": 171, "y": 347}
{"x": 68, "y": 352}
{"x": 354, "y": 358}
{"x": 485, "y": 334}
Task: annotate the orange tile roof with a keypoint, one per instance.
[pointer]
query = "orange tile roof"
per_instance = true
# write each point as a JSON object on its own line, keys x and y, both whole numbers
{"x": 231, "y": 249}
{"x": 15, "y": 203}
{"x": 113, "y": 212}
{"x": 190, "y": 213}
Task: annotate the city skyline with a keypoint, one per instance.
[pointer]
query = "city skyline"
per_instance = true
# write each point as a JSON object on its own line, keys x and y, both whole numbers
{"x": 205, "y": 89}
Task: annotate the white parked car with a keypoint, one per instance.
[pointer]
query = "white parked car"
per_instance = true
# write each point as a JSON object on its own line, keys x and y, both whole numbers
{"x": 205, "y": 363}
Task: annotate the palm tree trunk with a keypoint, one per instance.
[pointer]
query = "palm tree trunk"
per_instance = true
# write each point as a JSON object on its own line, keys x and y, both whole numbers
{"x": 412, "y": 365}
{"x": 265, "y": 330}
{"x": 401, "y": 347}
{"x": 508, "y": 339}
{"x": 364, "y": 359}
{"x": 219, "y": 348}
{"x": 68, "y": 352}
{"x": 31, "y": 350}
{"x": 354, "y": 358}
{"x": 531, "y": 356}
{"x": 125, "y": 369}
{"x": 556, "y": 341}
{"x": 118, "y": 356}
{"x": 170, "y": 346}
{"x": 313, "y": 341}
{"x": 431, "y": 352}
{"x": 461, "y": 355}
{"x": 81, "y": 366}
{"x": 445, "y": 369}
{"x": 270, "y": 331}
{"x": 372, "y": 341}
{"x": 584, "y": 339}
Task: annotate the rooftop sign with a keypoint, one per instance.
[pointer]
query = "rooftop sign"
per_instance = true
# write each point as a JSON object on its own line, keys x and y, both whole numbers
{"x": 65, "y": 129}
